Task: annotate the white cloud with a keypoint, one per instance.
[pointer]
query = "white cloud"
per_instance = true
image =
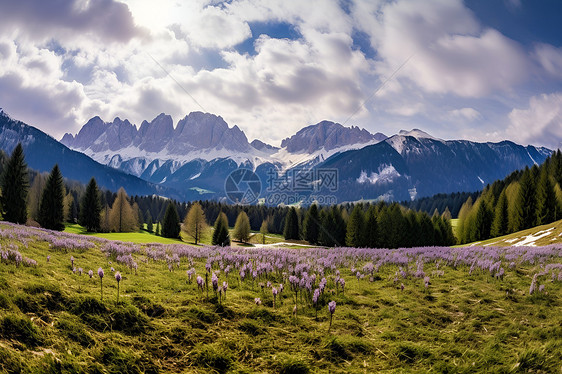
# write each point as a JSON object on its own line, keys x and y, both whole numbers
{"x": 469, "y": 114}
{"x": 550, "y": 59}
{"x": 540, "y": 123}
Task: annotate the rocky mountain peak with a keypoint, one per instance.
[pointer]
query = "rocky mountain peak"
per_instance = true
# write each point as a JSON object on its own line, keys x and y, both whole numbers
{"x": 327, "y": 135}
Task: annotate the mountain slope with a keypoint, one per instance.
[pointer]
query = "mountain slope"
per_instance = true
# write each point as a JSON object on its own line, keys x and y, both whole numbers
{"x": 533, "y": 237}
{"x": 42, "y": 152}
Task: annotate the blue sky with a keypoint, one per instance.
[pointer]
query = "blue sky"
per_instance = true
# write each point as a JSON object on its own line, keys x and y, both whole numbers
{"x": 478, "y": 70}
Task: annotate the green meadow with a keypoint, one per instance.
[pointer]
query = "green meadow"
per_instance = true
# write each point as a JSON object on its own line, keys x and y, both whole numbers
{"x": 55, "y": 320}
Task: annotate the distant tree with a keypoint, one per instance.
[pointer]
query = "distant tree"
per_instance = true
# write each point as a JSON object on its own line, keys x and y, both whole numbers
{"x": 311, "y": 225}
{"x": 446, "y": 214}
{"x": 15, "y": 185}
{"x": 90, "y": 212}
{"x": 546, "y": 199}
{"x": 338, "y": 231}
{"x": 241, "y": 230}
{"x": 194, "y": 224}
{"x": 149, "y": 224}
{"x": 171, "y": 222}
{"x": 34, "y": 195}
{"x": 356, "y": 228}
{"x": 325, "y": 237}
{"x": 122, "y": 218}
{"x": 371, "y": 228}
{"x": 221, "y": 235}
{"x": 263, "y": 231}
{"x": 104, "y": 219}
{"x": 51, "y": 209}
{"x": 500, "y": 222}
{"x": 158, "y": 229}
{"x": 291, "y": 230}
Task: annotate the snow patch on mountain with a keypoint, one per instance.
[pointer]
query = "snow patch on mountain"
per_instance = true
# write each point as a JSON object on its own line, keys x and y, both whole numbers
{"x": 386, "y": 174}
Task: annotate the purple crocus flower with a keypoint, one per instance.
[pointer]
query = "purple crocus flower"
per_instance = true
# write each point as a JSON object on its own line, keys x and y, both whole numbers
{"x": 257, "y": 300}
{"x": 100, "y": 272}
{"x": 48, "y": 258}
{"x": 91, "y": 273}
{"x": 332, "y": 306}
{"x": 118, "y": 277}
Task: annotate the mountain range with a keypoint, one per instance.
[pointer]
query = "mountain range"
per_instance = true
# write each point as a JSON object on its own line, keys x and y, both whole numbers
{"x": 193, "y": 159}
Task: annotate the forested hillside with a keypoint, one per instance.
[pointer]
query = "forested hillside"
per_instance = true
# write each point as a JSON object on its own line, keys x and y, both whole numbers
{"x": 526, "y": 198}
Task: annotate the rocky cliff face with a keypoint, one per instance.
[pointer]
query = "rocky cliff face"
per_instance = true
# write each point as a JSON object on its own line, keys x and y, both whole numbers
{"x": 327, "y": 135}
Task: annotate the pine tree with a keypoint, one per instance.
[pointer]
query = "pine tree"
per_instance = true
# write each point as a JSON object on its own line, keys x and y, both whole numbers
{"x": 90, "y": 212}
{"x": 171, "y": 222}
{"x": 241, "y": 230}
{"x": 15, "y": 184}
{"x": 327, "y": 224}
{"x": 500, "y": 221}
{"x": 51, "y": 209}
{"x": 149, "y": 224}
{"x": 194, "y": 223}
{"x": 338, "y": 231}
{"x": 158, "y": 229}
{"x": 546, "y": 199}
{"x": 263, "y": 231}
{"x": 122, "y": 218}
{"x": 483, "y": 221}
{"x": 291, "y": 229}
{"x": 312, "y": 225}
{"x": 355, "y": 228}
{"x": 34, "y": 195}
{"x": 371, "y": 229}
{"x": 525, "y": 205}
{"x": 221, "y": 236}
{"x": 446, "y": 214}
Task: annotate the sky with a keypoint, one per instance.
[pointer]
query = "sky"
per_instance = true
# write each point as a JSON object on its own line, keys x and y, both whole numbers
{"x": 477, "y": 70}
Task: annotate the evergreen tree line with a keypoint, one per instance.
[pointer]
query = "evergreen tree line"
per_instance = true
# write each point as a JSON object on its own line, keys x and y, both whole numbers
{"x": 442, "y": 202}
{"x": 526, "y": 198}
{"x": 365, "y": 225}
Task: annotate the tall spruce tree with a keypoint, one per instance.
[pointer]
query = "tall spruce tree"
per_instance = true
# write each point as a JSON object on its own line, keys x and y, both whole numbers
{"x": 483, "y": 221}
{"x": 371, "y": 228}
{"x": 15, "y": 184}
{"x": 221, "y": 235}
{"x": 171, "y": 222}
{"x": 149, "y": 223}
{"x": 500, "y": 222}
{"x": 325, "y": 236}
{"x": 51, "y": 209}
{"x": 263, "y": 231}
{"x": 312, "y": 225}
{"x": 356, "y": 228}
{"x": 339, "y": 227}
{"x": 546, "y": 199}
{"x": 525, "y": 204}
{"x": 242, "y": 229}
{"x": 90, "y": 211}
{"x": 291, "y": 229}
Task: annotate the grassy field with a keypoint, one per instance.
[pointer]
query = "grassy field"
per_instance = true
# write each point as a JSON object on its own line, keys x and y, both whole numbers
{"x": 133, "y": 237}
{"x": 536, "y": 236}
{"x": 465, "y": 320}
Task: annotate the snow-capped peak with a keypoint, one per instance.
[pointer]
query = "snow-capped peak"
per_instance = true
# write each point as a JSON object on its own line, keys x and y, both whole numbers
{"x": 418, "y": 134}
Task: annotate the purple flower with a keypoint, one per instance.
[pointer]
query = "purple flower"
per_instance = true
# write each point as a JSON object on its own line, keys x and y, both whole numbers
{"x": 112, "y": 269}
{"x": 316, "y": 296}
{"x": 48, "y": 258}
{"x": 91, "y": 273}
{"x": 215, "y": 282}
{"x": 118, "y": 277}
{"x": 541, "y": 288}
{"x": 80, "y": 270}
{"x": 257, "y": 300}
{"x": 100, "y": 272}
{"x": 332, "y": 306}
{"x": 225, "y": 286}
{"x": 274, "y": 291}
{"x": 401, "y": 286}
